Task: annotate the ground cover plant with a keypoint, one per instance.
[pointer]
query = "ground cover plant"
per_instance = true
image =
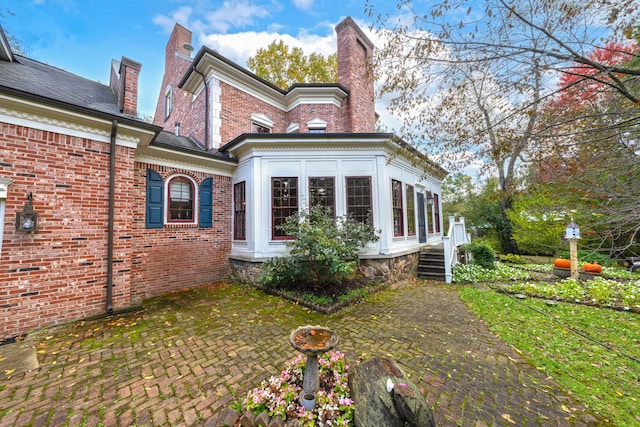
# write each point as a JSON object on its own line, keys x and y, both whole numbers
{"x": 591, "y": 351}
{"x": 279, "y": 394}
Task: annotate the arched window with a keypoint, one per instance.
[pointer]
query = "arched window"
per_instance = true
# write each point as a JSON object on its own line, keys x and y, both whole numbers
{"x": 181, "y": 199}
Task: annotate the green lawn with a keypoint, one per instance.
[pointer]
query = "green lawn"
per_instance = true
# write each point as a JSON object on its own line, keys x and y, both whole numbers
{"x": 604, "y": 375}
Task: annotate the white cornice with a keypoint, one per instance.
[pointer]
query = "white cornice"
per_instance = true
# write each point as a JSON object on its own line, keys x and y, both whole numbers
{"x": 34, "y": 115}
{"x": 314, "y": 95}
{"x": 213, "y": 67}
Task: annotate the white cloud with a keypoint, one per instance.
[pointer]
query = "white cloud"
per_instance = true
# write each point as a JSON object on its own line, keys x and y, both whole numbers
{"x": 238, "y": 47}
{"x": 180, "y": 16}
{"x": 234, "y": 14}
{"x": 303, "y": 4}
{"x": 230, "y": 15}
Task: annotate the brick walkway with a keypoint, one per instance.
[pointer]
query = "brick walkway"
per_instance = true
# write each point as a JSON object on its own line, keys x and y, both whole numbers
{"x": 190, "y": 353}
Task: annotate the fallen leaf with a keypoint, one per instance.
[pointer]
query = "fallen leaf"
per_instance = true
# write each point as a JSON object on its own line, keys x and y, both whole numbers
{"x": 508, "y": 418}
{"x": 565, "y": 409}
{"x": 9, "y": 371}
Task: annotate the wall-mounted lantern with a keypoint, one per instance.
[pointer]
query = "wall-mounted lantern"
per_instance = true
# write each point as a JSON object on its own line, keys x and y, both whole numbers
{"x": 27, "y": 220}
{"x": 429, "y": 199}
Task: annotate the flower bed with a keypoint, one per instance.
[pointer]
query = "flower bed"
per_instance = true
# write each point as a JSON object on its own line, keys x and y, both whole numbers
{"x": 280, "y": 395}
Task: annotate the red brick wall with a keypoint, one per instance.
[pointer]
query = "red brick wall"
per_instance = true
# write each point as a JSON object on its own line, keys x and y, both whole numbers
{"x": 59, "y": 273}
{"x": 178, "y": 256}
{"x": 327, "y": 112}
{"x": 237, "y": 107}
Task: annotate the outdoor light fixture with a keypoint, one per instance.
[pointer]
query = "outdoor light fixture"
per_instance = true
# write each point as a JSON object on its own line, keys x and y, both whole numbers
{"x": 573, "y": 231}
{"x": 429, "y": 199}
{"x": 27, "y": 220}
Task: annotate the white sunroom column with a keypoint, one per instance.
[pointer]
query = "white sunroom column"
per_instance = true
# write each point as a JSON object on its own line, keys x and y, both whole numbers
{"x": 381, "y": 193}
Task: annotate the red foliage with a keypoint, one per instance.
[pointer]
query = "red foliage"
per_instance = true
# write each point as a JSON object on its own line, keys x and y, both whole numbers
{"x": 579, "y": 85}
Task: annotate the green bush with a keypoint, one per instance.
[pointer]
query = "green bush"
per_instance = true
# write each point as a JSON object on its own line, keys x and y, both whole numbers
{"x": 324, "y": 249}
{"x": 481, "y": 254}
{"x": 279, "y": 272}
{"x": 513, "y": 259}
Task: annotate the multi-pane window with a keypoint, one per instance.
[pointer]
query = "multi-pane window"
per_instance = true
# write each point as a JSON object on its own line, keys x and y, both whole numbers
{"x": 180, "y": 200}
{"x": 284, "y": 202}
{"x": 322, "y": 193}
{"x": 239, "y": 211}
{"x": 411, "y": 211}
{"x": 359, "y": 198}
{"x": 396, "y": 204}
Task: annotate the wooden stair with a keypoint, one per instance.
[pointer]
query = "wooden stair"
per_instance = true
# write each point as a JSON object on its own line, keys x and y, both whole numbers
{"x": 431, "y": 263}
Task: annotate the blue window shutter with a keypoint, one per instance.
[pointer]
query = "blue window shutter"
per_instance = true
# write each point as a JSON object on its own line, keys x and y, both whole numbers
{"x": 155, "y": 196}
{"x": 206, "y": 203}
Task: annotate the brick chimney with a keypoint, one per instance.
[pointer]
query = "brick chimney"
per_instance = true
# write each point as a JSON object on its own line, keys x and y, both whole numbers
{"x": 354, "y": 55}
{"x": 172, "y": 106}
{"x": 124, "y": 83}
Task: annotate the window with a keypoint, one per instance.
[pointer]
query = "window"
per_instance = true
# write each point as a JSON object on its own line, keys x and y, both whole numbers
{"x": 261, "y": 123}
{"x": 258, "y": 128}
{"x": 317, "y": 126}
{"x": 181, "y": 193}
{"x": 396, "y": 205}
{"x": 239, "y": 211}
{"x": 322, "y": 193}
{"x": 168, "y": 102}
{"x": 284, "y": 202}
{"x": 359, "y": 198}
{"x": 411, "y": 212}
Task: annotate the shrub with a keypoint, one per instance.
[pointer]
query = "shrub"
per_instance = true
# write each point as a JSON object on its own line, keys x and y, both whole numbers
{"x": 513, "y": 259}
{"x": 481, "y": 254}
{"x": 324, "y": 250}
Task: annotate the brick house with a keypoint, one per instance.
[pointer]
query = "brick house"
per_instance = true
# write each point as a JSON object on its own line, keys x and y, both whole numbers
{"x": 128, "y": 209}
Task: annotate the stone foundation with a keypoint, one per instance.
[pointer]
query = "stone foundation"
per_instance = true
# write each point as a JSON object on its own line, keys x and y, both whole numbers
{"x": 384, "y": 270}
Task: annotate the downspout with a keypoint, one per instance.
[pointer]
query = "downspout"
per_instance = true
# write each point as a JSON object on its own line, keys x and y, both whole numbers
{"x": 206, "y": 109}
{"x": 112, "y": 185}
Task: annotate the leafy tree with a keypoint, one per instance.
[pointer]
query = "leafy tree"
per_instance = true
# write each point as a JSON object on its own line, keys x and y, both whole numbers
{"x": 479, "y": 204}
{"x": 592, "y": 158}
{"x": 324, "y": 250}
{"x": 469, "y": 79}
{"x": 14, "y": 43}
{"x": 283, "y": 65}
{"x": 539, "y": 220}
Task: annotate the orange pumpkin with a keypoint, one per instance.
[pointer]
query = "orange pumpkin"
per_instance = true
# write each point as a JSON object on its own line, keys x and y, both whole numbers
{"x": 562, "y": 263}
{"x": 592, "y": 268}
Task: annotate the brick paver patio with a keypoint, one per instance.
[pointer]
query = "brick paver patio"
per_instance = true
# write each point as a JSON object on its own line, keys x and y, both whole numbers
{"x": 190, "y": 353}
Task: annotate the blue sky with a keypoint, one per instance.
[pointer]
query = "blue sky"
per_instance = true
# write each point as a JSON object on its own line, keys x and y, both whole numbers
{"x": 82, "y": 36}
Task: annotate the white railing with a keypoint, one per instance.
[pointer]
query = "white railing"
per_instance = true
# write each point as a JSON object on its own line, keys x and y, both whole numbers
{"x": 456, "y": 237}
